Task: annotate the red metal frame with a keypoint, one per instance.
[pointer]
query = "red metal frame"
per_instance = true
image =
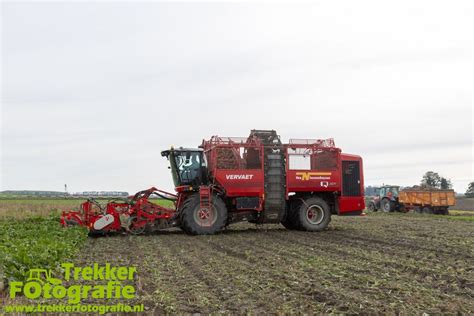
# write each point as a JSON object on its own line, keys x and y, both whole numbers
{"x": 237, "y": 181}
{"x": 139, "y": 207}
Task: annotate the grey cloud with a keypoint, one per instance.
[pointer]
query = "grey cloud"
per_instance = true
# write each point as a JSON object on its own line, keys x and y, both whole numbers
{"x": 93, "y": 91}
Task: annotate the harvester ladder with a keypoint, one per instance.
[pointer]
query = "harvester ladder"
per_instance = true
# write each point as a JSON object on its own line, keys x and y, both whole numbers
{"x": 274, "y": 173}
{"x": 275, "y": 182}
{"x": 205, "y": 197}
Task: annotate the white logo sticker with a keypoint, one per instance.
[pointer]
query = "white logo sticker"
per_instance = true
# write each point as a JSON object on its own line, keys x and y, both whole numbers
{"x": 239, "y": 176}
{"x": 103, "y": 221}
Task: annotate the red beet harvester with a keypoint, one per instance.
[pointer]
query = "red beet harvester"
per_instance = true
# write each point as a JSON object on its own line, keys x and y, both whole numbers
{"x": 228, "y": 179}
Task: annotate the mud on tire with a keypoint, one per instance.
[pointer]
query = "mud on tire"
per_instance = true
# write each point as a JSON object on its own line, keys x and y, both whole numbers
{"x": 197, "y": 221}
{"x": 313, "y": 214}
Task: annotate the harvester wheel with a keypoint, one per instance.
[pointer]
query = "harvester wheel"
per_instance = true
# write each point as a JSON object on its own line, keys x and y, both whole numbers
{"x": 197, "y": 221}
{"x": 289, "y": 221}
{"x": 312, "y": 215}
{"x": 387, "y": 205}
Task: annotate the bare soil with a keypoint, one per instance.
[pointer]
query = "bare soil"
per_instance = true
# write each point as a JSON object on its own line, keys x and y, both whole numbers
{"x": 378, "y": 263}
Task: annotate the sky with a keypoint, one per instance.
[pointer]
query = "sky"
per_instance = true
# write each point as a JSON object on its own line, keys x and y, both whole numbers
{"x": 92, "y": 92}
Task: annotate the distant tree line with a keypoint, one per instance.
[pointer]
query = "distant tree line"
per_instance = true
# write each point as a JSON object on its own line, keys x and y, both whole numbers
{"x": 433, "y": 180}
{"x": 100, "y": 193}
{"x": 370, "y": 190}
{"x": 28, "y": 193}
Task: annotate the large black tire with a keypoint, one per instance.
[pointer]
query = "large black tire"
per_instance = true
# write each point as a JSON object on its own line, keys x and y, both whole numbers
{"x": 427, "y": 210}
{"x": 387, "y": 206}
{"x": 372, "y": 207}
{"x": 443, "y": 211}
{"x": 289, "y": 221}
{"x": 313, "y": 214}
{"x": 197, "y": 221}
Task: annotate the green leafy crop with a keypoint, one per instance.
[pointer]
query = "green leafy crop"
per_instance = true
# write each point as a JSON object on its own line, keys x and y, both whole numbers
{"x": 36, "y": 242}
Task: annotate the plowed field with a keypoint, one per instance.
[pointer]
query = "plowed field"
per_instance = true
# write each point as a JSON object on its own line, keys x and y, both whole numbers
{"x": 377, "y": 263}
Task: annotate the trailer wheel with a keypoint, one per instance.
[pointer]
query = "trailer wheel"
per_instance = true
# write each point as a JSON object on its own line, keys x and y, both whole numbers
{"x": 197, "y": 221}
{"x": 387, "y": 205}
{"x": 372, "y": 207}
{"x": 313, "y": 215}
{"x": 427, "y": 210}
{"x": 444, "y": 211}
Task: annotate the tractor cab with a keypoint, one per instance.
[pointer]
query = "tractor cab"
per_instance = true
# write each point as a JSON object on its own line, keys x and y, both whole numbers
{"x": 389, "y": 191}
{"x": 188, "y": 166}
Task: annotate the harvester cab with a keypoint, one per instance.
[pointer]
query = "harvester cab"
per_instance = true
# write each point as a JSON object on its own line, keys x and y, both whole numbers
{"x": 188, "y": 166}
